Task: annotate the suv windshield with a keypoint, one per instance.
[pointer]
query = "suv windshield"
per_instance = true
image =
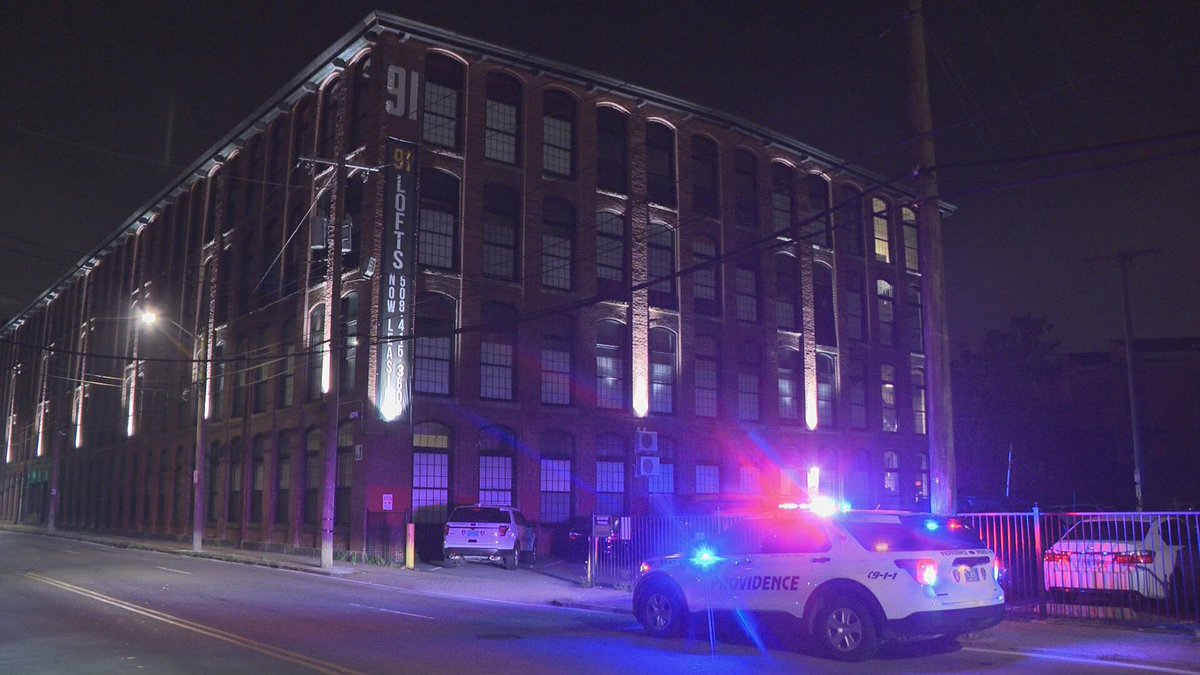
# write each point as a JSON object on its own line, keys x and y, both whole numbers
{"x": 913, "y": 533}
{"x": 477, "y": 514}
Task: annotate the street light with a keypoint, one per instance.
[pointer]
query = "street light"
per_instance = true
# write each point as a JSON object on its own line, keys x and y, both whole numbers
{"x": 199, "y": 382}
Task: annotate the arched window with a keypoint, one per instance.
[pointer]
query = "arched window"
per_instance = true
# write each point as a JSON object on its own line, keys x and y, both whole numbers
{"x": 791, "y": 384}
{"x": 820, "y": 228}
{"x": 787, "y": 291}
{"x": 330, "y": 104}
{"x": 437, "y": 245}
{"x": 611, "y": 458}
{"x": 662, "y": 370}
{"x": 349, "y": 355}
{"x": 661, "y": 265}
{"x": 706, "y": 186}
{"x": 316, "y": 349}
{"x": 848, "y": 220}
{"x": 745, "y": 190}
{"x": 502, "y": 119}
{"x": 501, "y": 220}
{"x": 823, "y": 318}
{"x": 912, "y": 260}
{"x": 497, "y": 352}
{"x": 611, "y": 275}
{"x": 558, "y": 134}
{"x": 557, "y": 449}
{"x": 497, "y": 450}
{"x": 433, "y": 349}
{"x": 706, "y": 369}
{"x": 881, "y": 230}
{"x": 885, "y": 295}
{"x": 444, "y": 81}
{"x": 782, "y": 189}
{"x": 660, "y": 164}
{"x": 431, "y": 472}
{"x": 706, "y": 280}
{"x": 612, "y": 347}
{"x": 556, "y": 360}
{"x": 612, "y": 150}
{"x": 826, "y": 391}
{"x": 558, "y": 243}
{"x": 887, "y": 396}
{"x": 362, "y": 104}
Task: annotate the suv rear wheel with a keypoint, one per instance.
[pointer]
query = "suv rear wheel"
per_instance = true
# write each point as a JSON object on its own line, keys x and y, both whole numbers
{"x": 846, "y": 630}
{"x": 513, "y": 559}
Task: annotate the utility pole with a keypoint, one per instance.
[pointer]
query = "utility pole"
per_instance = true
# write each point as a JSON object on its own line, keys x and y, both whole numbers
{"x": 942, "y": 495}
{"x": 1125, "y": 260}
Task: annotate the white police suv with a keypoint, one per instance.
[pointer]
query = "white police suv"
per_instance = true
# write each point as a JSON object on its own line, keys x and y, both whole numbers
{"x": 853, "y": 579}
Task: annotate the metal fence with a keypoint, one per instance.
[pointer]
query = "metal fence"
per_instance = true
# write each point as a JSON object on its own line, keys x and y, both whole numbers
{"x": 1126, "y": 567}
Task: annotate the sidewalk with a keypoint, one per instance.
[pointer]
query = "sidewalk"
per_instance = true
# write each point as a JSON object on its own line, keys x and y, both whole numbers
{"x": 558, "y": 583}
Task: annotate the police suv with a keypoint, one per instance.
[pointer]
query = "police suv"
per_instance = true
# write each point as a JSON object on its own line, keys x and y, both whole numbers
{"x": 853, "y": 579}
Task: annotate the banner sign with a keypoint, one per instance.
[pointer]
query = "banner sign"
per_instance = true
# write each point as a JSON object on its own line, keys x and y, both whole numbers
{"x": 393, "y": 391}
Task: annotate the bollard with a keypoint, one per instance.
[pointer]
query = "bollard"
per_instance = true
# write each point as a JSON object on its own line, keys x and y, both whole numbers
{"x": 410, "y": 546}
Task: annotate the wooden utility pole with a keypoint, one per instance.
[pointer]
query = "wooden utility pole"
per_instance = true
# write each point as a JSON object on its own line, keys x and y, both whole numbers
{"x": 939, "y": 411}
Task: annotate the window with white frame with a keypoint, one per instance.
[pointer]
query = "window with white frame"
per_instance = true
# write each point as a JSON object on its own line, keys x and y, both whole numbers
{"x": 556, "y": 490}
{"x": 708, "y": 479}
{"x": 826, "y": 390}
{"x": 882, "y": 231}
{"x": 610, "y": 474}
{"x": 660, "y": 164}
{"x": 497, "y": 348}
{"x": 707, "y": 377}
{"x": 612, "y": 150}
{"x": 497, "y": 447}
{"x": 887, "y": 396}
{"x": 433, "y": 348}
{"x": 885, "y": 294}
{"x": 431, "y": 472}
{"x": 856, "y": 393}
{"x": 918, "y": 399}
{"x": 912, "y": 260}
{"x": 746, "y": 287}
{"x": 501, "y": 217}
{"x": 610, "y": 254}
{"x": 556, "y": 360}
{"x": 439, "y": 220}
{"x": 704, "y": 279}
{"x": 748, "y": 393}
{"x": 781, "y": 197}
{"x": 558, "y": 243}
{"x": 787, "y": 291}
{"x": 443, "y": 91}
{"x": 662, "y": 483}
{"x": 611, "y": 357}
{"x": 791, "y": 389}
{"x": 662, "y": 371}
{"x": 891, "y": 474}
{"x": 502, "y": 119}
{"x": 660, "y": 265}
{"x": 558, "y": 134}
{"x": 816, "y": 193}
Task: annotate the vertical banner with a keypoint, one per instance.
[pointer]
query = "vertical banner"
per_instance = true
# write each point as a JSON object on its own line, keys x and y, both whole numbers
{"x": 393, "y": 391}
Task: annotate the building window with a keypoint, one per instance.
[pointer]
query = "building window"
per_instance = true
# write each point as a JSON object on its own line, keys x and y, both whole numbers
{"x": 556, "y": 360}
{"x": 745, "y": 190}
{"x": 705, "y": 279}
{"x": 921, "y": 478}
{"x": 349, "y": 370}
{"x": 781, "y": 198}
{"x": 918, "y": 399}
{"x": 887, "y": 396}
{"x": 287, "y": 366}
{"x": 558, "y": 134}
{"x": 912, "y": 259}
{"x": 557, "y": 449}
{"x": 258, "y": 474}
{"x": 433, "y": 348}
{"x": 261, "y": 380}
{"x": 443, "y": 101}
{"x": 662, "y": 371}
{"x": 848, "y": 220}
{"x": 610, "y": 474}
{"x": 855, "y": 318}
{"x": 705, "y": 184}
{"x": 233, "y": 509}
{"x": 748, "y": 394}
{"x": 891, "y": 474}
{"x": 496, "y": 352}
{"x": 790, "y": 481}
{"x": 660, "y": 265}
{"x": 883, "y": 237}
{"x": 611, "y": 277}
{"x": 312, "y": 475}
{"x": 749, "y": 480}
{"x": 916, "y": 331}
{"x": 826, "y": 390}
{"x": 612, "y": 150}
{"x": 708, "y": 479}
{"x": 856, "y": 393}
{"x": 746, "y": 287}
{"x": 787, "y": 291}
{"x": 501, "y": 216}
{"x": 436, "y": 246}
{"x": 611, "y": 356}
{"x": 283, "y": 477}
{"x": 707, "y": 378}
{"x": 558, "y": 243}
{"x": 819, "y": 229}
{"x": 431, "y": 472}
{"x": 502, "y": 119}
{"x": 825, "y": 328}
{"x": 316, "y": 351}
{"x": 214, "y": 487}
{"x": 496, "y": 470}
{"x": 791, "y": 390}
{"x": 344, "y": 473}
{"x": 238, "y": 402}
{"x": 362, "y": 97}
{"x": 885, "y": 295}
{"x": 660, "y": 164}
{"x": 662, "y": 485}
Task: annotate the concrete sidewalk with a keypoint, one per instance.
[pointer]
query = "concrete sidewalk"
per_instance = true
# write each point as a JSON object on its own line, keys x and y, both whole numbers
{"x": 559, "y": 583}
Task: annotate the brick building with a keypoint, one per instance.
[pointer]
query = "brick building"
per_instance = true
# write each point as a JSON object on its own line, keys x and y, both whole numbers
{"x": 604, "y": 274}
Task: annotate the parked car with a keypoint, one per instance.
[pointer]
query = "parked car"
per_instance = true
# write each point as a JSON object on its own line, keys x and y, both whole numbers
{"x": 579, "y": 540}
{"x": 1153, "y": 557}
{"x": 852, "y": 580}
{"x": 489, "y": 534}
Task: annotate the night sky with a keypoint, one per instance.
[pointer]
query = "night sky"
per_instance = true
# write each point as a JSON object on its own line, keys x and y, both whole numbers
{"x": 87, "y": 89}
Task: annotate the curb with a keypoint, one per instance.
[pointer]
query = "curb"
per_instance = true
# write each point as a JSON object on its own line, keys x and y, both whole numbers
{"x": 610, "y": 609}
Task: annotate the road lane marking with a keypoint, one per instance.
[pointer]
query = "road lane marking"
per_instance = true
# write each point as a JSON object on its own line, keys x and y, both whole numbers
{"x": 67, "y": 550}
{"x": 169, "y": 569}
{"x": 232, "y": 638}
{"x": 1084, "y": 660}
{"x": 390, "y": 611}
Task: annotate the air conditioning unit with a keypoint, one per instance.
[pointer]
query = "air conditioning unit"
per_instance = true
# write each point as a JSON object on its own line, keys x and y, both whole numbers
{"x": 647, "y": 465}
{"x": 645, "y": 442}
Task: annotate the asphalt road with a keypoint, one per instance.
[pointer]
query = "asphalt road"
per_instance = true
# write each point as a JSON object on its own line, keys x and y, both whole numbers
{"x": 73, "y": 607}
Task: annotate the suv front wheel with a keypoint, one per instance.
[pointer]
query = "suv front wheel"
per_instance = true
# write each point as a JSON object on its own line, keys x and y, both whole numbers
{"x": 661, "y": 610}
{"x": 846, "y": 630}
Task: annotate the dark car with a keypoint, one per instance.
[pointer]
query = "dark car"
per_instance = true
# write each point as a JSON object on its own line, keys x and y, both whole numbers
{"x": 579, "y": 533}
